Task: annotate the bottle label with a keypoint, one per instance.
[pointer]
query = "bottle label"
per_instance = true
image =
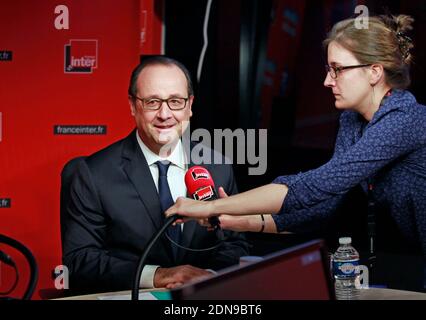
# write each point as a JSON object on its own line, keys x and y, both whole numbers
{"x": 346, "y": 268}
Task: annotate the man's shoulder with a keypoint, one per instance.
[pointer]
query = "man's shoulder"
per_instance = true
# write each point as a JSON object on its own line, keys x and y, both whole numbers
{"x": 110, "y": 154}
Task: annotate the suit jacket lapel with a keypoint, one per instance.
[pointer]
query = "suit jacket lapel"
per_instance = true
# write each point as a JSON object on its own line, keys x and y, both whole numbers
{"x": 138, "y": 172}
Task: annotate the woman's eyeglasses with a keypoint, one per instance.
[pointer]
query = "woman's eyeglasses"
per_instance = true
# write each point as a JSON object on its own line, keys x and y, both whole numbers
{"x": 334, "y": 71}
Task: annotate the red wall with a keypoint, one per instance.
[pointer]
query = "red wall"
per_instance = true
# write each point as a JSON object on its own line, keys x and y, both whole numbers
{"x": 36, "y": 94}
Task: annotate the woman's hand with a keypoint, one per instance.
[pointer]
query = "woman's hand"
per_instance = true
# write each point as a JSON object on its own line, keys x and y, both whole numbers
{"x": 240, "y": 212}
{"x": 263, "y": 200}
{"x": 227, "y": 222}
{"x": 233, "y": 223}
{"x": 191, "y": 209}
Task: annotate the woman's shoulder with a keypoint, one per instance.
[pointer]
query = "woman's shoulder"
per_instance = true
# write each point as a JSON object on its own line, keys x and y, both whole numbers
{"x": 404, "y": 98}
{"x": 411, "y": 108}
{"x": 401, "y": 106}
{"x": 406, "y": 113}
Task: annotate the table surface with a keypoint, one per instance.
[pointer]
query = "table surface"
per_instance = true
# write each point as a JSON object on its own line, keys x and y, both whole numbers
{"x": 366, "y": 294}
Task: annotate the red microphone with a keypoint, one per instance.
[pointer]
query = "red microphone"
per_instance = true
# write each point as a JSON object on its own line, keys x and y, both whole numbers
{"x": 200, "y": 185}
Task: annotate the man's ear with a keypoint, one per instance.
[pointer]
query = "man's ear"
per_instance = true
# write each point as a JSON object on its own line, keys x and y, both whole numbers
{"x": 132, "y": 105}
{"x": 377, "y": 73}
{"x": 190, "y": 101}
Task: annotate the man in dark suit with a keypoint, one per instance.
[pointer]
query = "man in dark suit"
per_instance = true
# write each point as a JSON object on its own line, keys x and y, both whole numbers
{"x": 117, "y": 204}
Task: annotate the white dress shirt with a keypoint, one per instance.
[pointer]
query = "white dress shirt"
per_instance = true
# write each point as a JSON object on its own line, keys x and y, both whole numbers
{"x": 176, "y": 179}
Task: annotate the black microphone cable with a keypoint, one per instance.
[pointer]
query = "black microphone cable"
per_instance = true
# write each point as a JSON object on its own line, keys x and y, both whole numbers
{"x": 141, "y": 263}
{"x": 215, "y": 224}
{"x": 30, "y": 259}
{"x": 169, "y": 221}
{"x": 9, "y": 261}
{"x": 217, "y": 245}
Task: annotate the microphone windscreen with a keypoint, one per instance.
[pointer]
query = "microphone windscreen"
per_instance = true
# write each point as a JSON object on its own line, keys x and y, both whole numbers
{"x": 200, "y": 186}
{"x": 198, "y": 178}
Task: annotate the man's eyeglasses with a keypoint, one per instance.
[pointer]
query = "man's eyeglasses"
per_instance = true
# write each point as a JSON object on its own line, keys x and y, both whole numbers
{"x": 153, "y": 104}
{"x": 334, "y": 71}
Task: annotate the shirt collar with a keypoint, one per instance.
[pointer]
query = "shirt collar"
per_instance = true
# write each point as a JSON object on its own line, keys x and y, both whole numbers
{"x": 177, "y": 157}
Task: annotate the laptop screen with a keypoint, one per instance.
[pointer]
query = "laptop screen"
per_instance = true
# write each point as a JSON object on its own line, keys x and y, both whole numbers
{"x": 298, "y": 273}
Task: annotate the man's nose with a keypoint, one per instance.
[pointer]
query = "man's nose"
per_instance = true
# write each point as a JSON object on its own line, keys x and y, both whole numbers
{"x": 164, "y": 112}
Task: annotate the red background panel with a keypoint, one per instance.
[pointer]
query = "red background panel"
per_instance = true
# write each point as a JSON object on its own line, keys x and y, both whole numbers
{"x": 36, "y": 94}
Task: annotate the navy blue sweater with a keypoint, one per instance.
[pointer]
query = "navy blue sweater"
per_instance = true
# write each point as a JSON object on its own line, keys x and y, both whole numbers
{"x": 390, "y": 150}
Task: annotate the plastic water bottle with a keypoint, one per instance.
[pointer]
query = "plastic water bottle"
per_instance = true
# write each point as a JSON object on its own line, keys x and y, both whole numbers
{"x": 345, "y": 271}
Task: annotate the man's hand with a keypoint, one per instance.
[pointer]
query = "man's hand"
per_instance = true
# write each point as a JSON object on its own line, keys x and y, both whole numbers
{"x": 176, "y": 276}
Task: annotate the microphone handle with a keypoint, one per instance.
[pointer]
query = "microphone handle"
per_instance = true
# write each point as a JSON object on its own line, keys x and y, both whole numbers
{"x": 215, "y": 222}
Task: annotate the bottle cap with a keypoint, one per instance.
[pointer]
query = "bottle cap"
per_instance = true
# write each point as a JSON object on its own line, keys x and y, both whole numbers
{"x": 345, "y": 240}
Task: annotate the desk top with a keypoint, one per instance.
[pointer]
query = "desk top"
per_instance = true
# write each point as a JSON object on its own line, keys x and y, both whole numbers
{"x": 118, "y": 295}
{"x": 366, "y": 294}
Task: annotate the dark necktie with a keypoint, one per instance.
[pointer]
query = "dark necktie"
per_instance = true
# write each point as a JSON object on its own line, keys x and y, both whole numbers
{"x": 166, "y": 200}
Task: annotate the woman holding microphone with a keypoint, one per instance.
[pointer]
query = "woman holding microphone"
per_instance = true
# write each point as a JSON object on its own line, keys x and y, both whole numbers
{"x": 381, "y": 142}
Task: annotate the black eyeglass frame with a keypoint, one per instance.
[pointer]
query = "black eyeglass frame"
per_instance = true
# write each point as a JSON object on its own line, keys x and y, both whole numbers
{"x": 336, "y": 70}
{"x": 162, "y": 101}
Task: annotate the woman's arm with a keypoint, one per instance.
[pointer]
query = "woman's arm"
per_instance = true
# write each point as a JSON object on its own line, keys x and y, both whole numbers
{"x": 252, "y": 223}
{"x": 263, "y": 200}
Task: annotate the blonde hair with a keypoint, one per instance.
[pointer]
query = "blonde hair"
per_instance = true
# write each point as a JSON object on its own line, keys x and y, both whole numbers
{"x": 384, "y": 42}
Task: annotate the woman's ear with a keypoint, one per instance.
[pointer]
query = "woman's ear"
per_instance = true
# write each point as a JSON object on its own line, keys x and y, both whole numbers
{"x": 376, "y": 74}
